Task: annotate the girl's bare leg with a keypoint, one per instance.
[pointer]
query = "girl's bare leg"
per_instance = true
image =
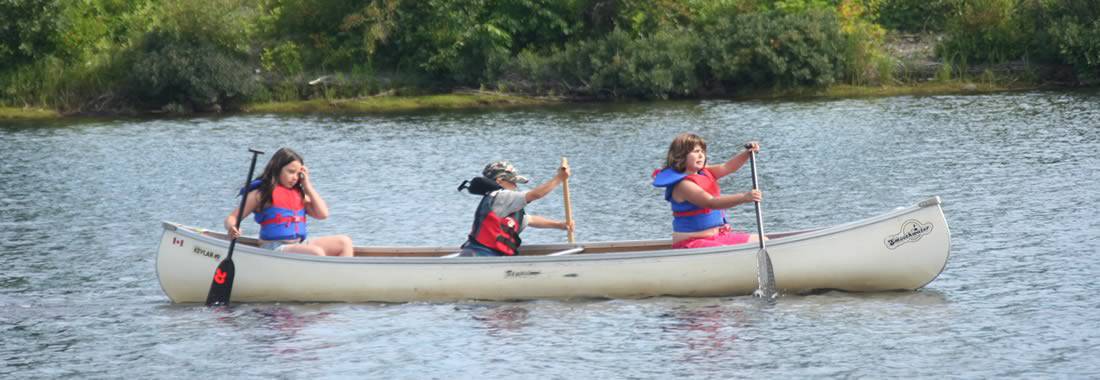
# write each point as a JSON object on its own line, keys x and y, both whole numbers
{"x": 335, "y": 245}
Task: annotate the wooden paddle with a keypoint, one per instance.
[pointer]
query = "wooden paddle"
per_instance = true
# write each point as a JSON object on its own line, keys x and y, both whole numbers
{"x": 765, "y": 278}
{"x": 568, "y": 203}
{"x": 221, "y": 287}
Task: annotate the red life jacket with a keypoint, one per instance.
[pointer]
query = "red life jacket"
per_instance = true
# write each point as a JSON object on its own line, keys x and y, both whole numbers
{"x": 285, "y": 218}
{"x": 494, "y": 232}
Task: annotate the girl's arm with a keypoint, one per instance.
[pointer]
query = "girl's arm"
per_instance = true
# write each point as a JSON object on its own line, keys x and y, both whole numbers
{"x": 734, "y": 162}
{"x": 540, "y": 222}
{"x": 315, "y": 205}
{"x": 691, "y": 192}
{"x": 250, "y": 202}
{"x": 545, "y": 188}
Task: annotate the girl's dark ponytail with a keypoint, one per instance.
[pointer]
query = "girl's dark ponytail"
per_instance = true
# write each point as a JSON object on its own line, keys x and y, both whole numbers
{"x": 479, "y": 186}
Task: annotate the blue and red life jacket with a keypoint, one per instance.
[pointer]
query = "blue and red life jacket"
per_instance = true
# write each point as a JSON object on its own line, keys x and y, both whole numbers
{"x": 285, "y": 218}
{"x": 686, "y": 216}
{"x": 494, "y": 232}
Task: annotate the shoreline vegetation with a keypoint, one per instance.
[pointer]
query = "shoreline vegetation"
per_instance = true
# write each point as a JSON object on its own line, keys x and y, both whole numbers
{"x": 387, "y": 103}
{"x": 27, "y": 113}
{"x": 468, "y": 99}
{"x": 465, "y": 99}
{"x": 161, "y": 57}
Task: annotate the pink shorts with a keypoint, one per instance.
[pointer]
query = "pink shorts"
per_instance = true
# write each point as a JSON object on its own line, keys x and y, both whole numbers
{"x": 725, "y": 236}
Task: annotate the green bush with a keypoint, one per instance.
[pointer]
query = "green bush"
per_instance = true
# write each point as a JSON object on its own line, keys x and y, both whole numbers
{"x": 1057, "y": 32}
{"x": 864, "y": 58}
{"x": 28, "y": 31}
{"x": 1069, "y": 33}
{"x": 915, "y": 15}
{"x": 1079, "y": 44}
{"x": 985, "y": 31}
{"x": 284, "y": 59}
{"x": 657, "y": 66}
{"x": 198, "y": 76}
{"x": 618, "y": 65}
{"x": 772, "y": 49}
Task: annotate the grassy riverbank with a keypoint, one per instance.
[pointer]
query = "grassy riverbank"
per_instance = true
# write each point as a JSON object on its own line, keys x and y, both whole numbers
{"x": 496, "y": 100}
{"x": 954, "y": 87}
{"x": 388, "y": 104}
{"x": 15, "y": 113}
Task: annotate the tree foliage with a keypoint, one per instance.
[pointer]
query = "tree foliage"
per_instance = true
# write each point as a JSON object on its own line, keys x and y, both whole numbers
{"x": 27, "y": 31}
{"x": 93, "y": 54}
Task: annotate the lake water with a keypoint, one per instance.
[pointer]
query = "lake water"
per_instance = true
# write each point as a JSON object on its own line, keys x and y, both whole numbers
{"x": 81, "y": 204}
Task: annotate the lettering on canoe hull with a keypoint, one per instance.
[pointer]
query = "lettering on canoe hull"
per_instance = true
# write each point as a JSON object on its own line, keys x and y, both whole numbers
{"x": 522, "y": 273}
{"x": 206, "y": 252}
{"x": 911, "y": 230}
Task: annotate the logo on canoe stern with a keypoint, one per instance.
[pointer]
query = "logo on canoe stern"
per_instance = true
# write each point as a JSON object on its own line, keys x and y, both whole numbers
{"x": 911, "y": 230}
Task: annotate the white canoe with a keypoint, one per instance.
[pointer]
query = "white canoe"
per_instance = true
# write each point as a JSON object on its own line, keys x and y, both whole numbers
{"x": 903, "y": 249}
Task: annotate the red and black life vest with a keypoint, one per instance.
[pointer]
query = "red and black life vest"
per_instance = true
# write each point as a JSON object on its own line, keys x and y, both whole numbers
{"x": 494, "y": 232}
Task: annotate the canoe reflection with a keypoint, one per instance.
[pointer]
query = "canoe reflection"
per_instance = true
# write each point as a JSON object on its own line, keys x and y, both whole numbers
{"x": 280, "y": 330}
{"x": 705, "y": 331}
{"x": 503, "y": 318}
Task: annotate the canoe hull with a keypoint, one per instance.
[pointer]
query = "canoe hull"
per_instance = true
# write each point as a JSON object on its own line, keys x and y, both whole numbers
{"x": 900, "y": 250}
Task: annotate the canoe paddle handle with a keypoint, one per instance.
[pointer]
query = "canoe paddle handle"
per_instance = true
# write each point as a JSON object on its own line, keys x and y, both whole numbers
{"x": 221, "y": 286}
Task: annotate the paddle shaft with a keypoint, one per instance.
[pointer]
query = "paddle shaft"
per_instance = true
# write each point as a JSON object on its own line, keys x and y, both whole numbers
{"x": 765, "y": 277}
{"x": 759, "y": 212}
{"x": 568, "y": 202}
{"x": 221, "y": 287}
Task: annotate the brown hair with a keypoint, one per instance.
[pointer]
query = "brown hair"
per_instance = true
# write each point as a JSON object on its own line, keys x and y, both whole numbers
{"x": 679, "y": 149}
{"x": 270, "y": 176}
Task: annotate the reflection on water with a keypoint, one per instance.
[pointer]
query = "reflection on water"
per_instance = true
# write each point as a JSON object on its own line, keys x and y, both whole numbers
{"x": 284, "y": 324}
{"x": 705, "y": 331}
{"x": 503, "y": 319}
{"x": 81, "y": 205}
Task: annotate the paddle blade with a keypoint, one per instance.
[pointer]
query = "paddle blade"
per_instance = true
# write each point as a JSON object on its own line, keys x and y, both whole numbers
{"x": 221, "y": 287}
{"x": 765, "y": 276}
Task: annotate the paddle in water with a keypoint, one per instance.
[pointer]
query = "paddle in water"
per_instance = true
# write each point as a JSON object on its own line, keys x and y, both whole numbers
{"x": 765, "y": 278}
{"x": 221, "y": 287}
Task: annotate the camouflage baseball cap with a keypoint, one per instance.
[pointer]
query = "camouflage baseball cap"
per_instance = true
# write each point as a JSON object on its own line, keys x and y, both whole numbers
{"x": 503, "y": 170}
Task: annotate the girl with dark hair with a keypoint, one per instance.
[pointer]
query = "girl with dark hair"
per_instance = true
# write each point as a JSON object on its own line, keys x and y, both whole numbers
{"x": 691, "y": 187}
{"x": 282, "y": 198}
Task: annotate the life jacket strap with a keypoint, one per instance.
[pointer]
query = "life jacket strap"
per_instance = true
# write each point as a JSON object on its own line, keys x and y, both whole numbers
{"x": 692, "y": 212}
{"x": 284, "y": 220}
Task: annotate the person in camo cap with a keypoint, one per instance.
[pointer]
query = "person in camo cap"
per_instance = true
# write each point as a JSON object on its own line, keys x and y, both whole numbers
{"x": 500, "y": 216}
